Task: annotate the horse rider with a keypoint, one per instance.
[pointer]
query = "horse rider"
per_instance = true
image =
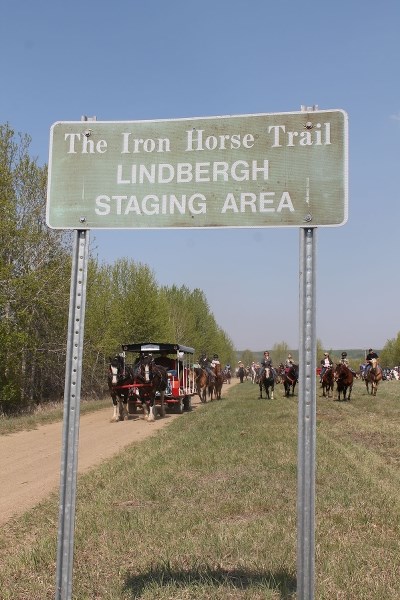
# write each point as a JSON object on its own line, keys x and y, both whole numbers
{"x": 368, "y": 359}
{"x": 206, "y": 364}
{"x": 266, "y": 363}
{"x": 215, "y": 361}
{"x": 345, "y": 361}
{"x": 289, "y": 362}
{"x": 326, "y": 363}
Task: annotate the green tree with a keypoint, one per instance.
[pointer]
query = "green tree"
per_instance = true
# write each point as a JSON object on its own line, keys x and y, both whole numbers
{"x": 390, "y": 355}
{"x": 279, "y": 353}
{"x": 123, "y": 305}
{"x": 34, "y": 286}
{"x": 247, "y": 357}
{"x": 181, "y": 319}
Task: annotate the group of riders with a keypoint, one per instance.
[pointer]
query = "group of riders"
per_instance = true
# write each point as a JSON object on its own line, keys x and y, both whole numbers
{"x": 259, "y": 368}
{"x": 327, "y": 363}
{"x": 213, "y": 366}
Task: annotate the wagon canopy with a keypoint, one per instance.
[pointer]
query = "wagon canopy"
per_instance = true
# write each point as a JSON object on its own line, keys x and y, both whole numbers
{"x": 154, "y": 347}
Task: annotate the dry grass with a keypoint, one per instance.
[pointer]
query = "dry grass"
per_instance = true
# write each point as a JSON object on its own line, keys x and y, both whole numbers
{"x": 206, "y": 509}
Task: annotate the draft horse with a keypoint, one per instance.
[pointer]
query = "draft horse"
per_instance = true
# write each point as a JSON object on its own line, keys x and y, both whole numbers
{"x": 118, "y": 378}
{"x": 328, "y": 382}
{"x": 373, "y": 376}
{"x": 150, "y": 379}
{"x": 289, "y": 377}
{"x": 344, "y": 381}
{"x": 266, "y": 380}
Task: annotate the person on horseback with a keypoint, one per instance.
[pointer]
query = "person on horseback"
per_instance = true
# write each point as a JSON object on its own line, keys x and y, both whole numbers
{"x": 370, "y": 356}
{"x": 345, "y": 361}
{"x": 206, "y": 364}
{"x": 326, "y": 363}
{"x": 266, "y": 363}
{"x": 215, "y": 361}
{"x": 289, "y": 362}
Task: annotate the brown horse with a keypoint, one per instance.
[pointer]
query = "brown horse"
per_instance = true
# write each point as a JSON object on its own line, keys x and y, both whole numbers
{"x": 328, "y": 382}
{"x": 201, "y": 383}
{"x": 373, "y": 376}
{"x": 149, "y": 380}
{"x": 344, "y": 380}
{"x": 289, "y": 377}
{"x": 218, "y": 382}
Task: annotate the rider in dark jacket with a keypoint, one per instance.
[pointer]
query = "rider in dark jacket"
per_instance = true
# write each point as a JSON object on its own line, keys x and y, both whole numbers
{"x": 205, "y": 364}
{"x": 266, "y": 362}
{"x": 371, "y": 354}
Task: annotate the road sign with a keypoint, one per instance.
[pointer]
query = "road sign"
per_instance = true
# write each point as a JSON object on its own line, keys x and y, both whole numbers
{"x": 262, "y": 170}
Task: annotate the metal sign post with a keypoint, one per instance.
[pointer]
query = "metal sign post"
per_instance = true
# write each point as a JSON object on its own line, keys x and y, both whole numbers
{"x": 306, "y": 419}
{"x": 72, "y": 396}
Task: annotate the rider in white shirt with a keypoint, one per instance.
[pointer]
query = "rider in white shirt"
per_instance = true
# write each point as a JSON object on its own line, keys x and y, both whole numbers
{"x": 326, "y": 363}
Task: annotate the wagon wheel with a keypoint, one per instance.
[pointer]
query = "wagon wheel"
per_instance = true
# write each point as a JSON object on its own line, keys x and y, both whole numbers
{"x": 179, "y": 406}
{"x": 187, "y": 403}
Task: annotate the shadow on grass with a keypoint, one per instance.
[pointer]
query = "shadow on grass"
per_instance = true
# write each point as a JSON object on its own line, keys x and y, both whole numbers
{"x": 239, "y": 579}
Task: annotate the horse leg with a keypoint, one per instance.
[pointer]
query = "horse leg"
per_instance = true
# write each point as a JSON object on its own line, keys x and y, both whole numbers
{"x": 162, "y": 405}
{"x": 152, "y": 409}
{"x": 121, "y": 407}
{"x": 272, "y": 392}
{"x": 261, "y": 387}
{"x": 114, "y": 418}
{"x": 145, "y": 409}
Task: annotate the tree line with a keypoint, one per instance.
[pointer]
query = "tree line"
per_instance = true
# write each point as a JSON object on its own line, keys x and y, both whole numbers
{"x": 124, "y": 304}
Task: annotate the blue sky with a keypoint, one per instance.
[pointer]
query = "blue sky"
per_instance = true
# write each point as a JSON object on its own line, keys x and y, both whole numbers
{"x": 145, "y": 60}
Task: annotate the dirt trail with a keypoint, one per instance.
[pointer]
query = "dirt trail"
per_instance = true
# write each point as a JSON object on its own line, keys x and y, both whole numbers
{"x": 30, "y": 460}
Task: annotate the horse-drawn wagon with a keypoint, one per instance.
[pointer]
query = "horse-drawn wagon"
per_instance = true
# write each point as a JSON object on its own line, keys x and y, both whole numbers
{"x": 177, "y": 384}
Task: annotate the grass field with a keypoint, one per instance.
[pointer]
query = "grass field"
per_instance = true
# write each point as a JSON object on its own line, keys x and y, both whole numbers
{"x": 206, "y": 509}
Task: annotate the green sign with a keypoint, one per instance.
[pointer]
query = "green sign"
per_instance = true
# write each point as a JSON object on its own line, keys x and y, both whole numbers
{"x": 263, "y": 170}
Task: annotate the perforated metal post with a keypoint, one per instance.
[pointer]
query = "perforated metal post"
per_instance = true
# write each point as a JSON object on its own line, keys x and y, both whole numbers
{"x": 306, "y": 419}
{"x": 70, "y": 436}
